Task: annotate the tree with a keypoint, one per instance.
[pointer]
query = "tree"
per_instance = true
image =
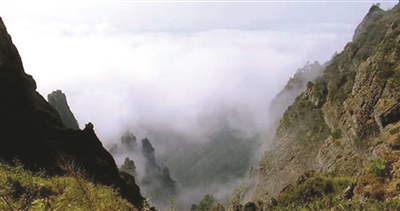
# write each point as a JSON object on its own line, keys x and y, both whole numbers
{"x": 206, "y": 203}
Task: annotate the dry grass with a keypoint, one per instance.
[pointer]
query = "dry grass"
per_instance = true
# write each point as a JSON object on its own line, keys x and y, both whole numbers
{"x": 24, "y": 190}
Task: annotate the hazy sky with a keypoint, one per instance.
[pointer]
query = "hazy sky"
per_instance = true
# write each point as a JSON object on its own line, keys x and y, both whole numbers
{"x": 122, "y": 62}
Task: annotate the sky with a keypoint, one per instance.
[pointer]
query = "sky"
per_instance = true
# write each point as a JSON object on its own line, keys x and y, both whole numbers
{"x": 121, "y": 63}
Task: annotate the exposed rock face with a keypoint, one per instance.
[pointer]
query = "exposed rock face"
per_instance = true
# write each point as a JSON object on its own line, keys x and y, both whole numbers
{"x": 33, "y": 133}
{"x": 149, "y": 154}
{"x": 129, "y": 167}
{"x": 128, "y": 141}
{"x": 59, "y": 101}
{"x": 155, "y": 181}
{"x": 346, "y": 117}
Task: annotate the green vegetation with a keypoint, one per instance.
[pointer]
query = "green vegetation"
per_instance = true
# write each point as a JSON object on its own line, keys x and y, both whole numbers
{"x": 336, "y": 134}
{"x": 306, "y": 118}
{"x": 334, "y": 203}
{"x": 385, "y": 70}
{"x": 372, "y": 56}
{"x": 24, "y": 190}
{"x": 205, "y": 204}
{"x": 378, "y": 167}
{"x": 324, "y": 192}
{"x": 339, "y": 77}
{"x": 396, "y": 78}
{"x": 192, "y": 166}
{"x": 313, "y": 188}
{"x": 394, "y": 130}
{"x": 309, "y": 72}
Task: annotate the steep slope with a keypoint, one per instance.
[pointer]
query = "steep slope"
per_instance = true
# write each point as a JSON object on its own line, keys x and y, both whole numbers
{"x": 24, "y": 190}
{"x": 294, "y": 87}
{"x": 59, "y": 101}
{"x": 279, "y": 104}
{"x": 33, "y": 133}
{"x": 347, "y": 117}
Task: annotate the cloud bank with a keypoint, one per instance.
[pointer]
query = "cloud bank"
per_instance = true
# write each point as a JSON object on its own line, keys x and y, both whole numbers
{"x": 122, "y": 63}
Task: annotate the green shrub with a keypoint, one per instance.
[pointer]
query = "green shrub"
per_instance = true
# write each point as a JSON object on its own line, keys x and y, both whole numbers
{"x": 205, "y": 204}
{"x": 394, "y": 130}
{"x": 336, "y": 134}
{"x": 396, "y": 77}
{"x": 377, "y": 167}
{"x": 385, "y": 74}
{"x": 313, "y": 188}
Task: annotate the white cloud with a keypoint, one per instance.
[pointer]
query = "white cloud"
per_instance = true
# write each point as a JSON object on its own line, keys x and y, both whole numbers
{"x": 124, "y": 62}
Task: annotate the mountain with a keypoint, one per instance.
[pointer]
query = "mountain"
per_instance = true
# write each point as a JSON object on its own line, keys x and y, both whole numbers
{"x": 58, "y": 100}
{"x": 346, "y": 123}
{"x": 33, "y": 133}
{"x": 155, "y": 181}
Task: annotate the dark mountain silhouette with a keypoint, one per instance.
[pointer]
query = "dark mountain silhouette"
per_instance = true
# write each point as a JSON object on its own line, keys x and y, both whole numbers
{"x": 58, "y": 100}
{"x": 33, "y": 132}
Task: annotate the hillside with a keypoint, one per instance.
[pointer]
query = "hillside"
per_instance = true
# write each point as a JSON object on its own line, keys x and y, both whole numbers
{"x": 24, "y": 190}
{"x": 346, "y": 122}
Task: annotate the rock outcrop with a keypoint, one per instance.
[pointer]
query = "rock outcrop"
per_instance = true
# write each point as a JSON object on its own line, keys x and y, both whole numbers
{"x": 128, "y": 141}
{"x": 33, "y": 132}
{"x": 155, "y": 181}
{"x": 149, "y": 155}
{"x": 129, "y": 167}
{"x": 59, "y": 101}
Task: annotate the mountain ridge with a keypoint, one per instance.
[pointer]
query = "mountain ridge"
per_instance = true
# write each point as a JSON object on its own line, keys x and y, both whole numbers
{"x": 342, "y": 121}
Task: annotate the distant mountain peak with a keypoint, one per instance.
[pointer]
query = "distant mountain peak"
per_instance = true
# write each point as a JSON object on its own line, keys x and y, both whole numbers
{"x": 59, "y": 101}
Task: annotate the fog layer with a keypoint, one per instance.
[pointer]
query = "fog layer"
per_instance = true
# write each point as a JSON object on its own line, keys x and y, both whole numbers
{"x": 127, "y": 62}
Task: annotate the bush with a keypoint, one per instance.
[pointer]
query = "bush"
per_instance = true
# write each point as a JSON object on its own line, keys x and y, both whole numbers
{"x": 394, "y": 130}
{"x": 313, "y": 188}
{"x": 378, "y": 167}
{"x": 385, "y": 74}
{"x": 205, "y": 204}
{"x": 336, "y": 134}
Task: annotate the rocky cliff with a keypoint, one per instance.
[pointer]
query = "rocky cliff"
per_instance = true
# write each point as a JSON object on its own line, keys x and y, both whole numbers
{"x": 155, "y": 181}
{"x": 347, "y": 118}
{"x": 33, "y": 132}
{"x": 59, "y": 101}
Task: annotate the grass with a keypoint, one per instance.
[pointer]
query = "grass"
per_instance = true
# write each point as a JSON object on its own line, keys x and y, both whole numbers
{"x": 324, "y": 192}
{"x": 314, "y": 188}
{"x": 24, "y": 190}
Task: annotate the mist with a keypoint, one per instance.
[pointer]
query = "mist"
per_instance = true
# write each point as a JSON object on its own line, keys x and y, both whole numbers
{"x": 177, "y": 73}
